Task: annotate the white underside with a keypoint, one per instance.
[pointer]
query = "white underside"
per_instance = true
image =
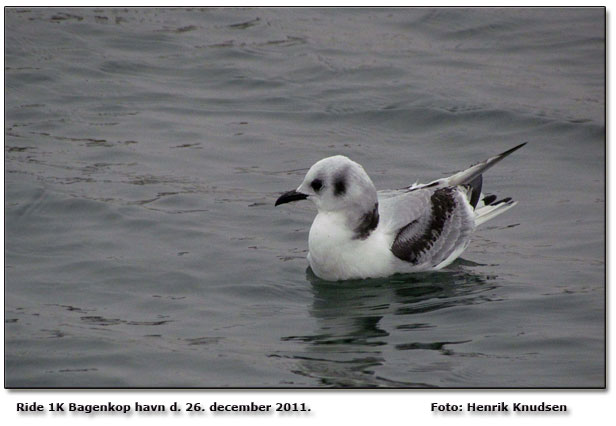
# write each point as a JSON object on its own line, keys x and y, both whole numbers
{"x": 334, "y": 254}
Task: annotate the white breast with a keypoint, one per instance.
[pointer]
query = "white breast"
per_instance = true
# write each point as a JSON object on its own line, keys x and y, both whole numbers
{"x": 335, "y": 255}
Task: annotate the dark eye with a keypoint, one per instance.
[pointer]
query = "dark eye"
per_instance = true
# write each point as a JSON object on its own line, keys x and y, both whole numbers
{"x": 316, "y": 185}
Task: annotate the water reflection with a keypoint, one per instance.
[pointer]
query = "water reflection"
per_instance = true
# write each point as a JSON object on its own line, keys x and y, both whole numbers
{"x": 361, "y": 326}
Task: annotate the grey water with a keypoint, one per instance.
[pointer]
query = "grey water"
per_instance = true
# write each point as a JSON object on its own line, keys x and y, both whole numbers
{"x": 144, "y": 150}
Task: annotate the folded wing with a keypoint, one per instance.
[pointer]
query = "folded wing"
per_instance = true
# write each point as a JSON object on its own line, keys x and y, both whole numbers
{"x": 429, "y": 226}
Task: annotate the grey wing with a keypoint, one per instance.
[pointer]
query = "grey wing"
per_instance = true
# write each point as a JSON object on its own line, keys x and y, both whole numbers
{"x": 400, "y": 207}
{"x": 429, "y": 226}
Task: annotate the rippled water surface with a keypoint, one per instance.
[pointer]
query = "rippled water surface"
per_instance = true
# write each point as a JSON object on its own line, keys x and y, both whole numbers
{"x": 144, "y": 149}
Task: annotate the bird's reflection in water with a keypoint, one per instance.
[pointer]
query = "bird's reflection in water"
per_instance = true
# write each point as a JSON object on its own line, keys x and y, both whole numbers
{"x": 360, "y": 322}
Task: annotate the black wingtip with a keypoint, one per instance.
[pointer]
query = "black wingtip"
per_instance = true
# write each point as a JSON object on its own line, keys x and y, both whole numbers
{"x": 515, "y": 148}
{"x": 489, "y": 199}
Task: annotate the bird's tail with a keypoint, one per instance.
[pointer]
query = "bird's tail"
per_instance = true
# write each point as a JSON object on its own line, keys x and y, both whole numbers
{"x": 486, "y": 207}
{"x": 489, "y": 208}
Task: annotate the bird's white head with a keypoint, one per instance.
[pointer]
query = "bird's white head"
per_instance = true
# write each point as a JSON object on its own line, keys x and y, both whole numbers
{"x": 338, "y": 184}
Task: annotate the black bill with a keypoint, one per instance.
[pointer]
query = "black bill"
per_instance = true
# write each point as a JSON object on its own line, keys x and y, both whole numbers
{"x": 287, "y": 197}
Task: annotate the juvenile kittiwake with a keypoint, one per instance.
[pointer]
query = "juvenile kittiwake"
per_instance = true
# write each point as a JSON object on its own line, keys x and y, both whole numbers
{"x": 361, "y": 233}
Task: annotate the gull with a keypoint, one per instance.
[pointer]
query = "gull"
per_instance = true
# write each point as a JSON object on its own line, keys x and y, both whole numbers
{"x": 361, "y": 233}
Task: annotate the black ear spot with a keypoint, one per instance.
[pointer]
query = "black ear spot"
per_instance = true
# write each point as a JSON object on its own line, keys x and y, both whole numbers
{"x": 316, "y": 185}
{"x": 339, "y": 186}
